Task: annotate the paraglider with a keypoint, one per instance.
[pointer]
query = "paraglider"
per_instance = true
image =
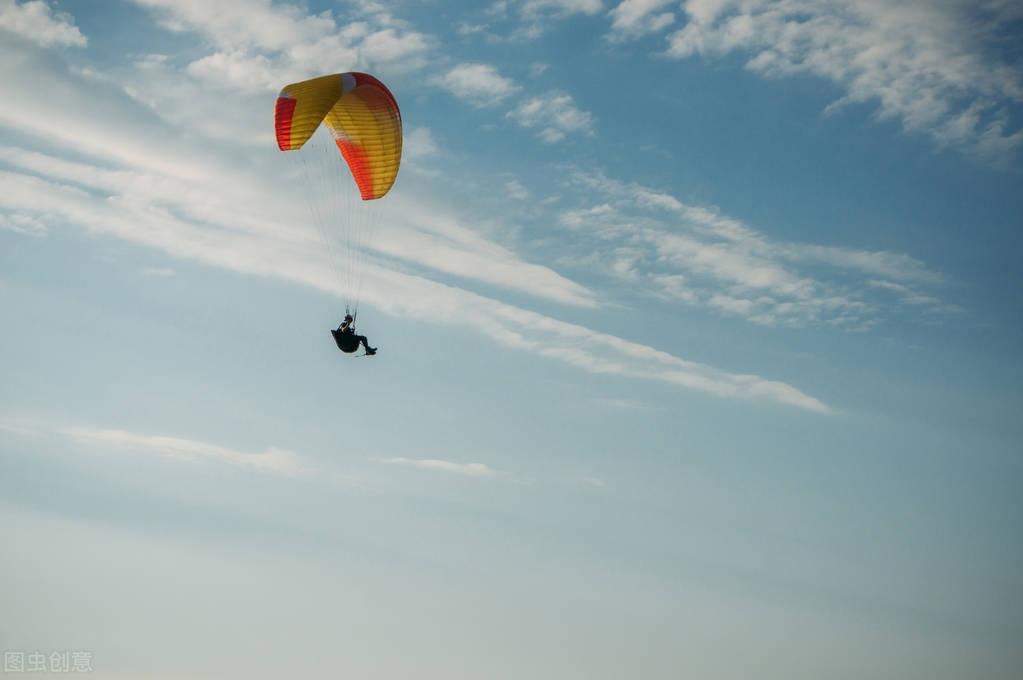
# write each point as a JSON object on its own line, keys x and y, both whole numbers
{"x": 346, "y": 339}
{"x": 352, "y": 125}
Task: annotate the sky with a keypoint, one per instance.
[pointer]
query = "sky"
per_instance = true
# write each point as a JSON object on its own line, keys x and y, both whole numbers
{"x": 699, "y": 329}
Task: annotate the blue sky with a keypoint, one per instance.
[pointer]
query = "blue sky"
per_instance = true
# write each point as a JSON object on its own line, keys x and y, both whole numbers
{"x": 699, "y": 327}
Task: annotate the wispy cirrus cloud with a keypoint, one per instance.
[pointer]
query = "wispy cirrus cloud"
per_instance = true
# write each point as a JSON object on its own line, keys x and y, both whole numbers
{"x": 699, "y": 256}
{"x": 273, "y": 460}
{"x": 526, "y": 20}
{"x": 561, "y": 7}
{"x": 908, "y": 295}
{"x": 478, "y": 470}
{"x": 933, "y": 66}
{"x": 276, "y": 461}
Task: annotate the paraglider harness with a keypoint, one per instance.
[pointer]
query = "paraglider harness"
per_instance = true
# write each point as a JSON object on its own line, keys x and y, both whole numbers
{"x": 345, "y": 338}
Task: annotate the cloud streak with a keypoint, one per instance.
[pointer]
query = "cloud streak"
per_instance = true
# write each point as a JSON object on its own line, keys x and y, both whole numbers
{"x": 478, "y": 470}
{"x": 273, "y": 460}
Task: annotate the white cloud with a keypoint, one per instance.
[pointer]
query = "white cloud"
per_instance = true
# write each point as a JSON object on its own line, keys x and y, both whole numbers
{"x": 418, "y": 144}
{"x": 731, "y": 265}
{"x": 262, "y": 46}
{"x": 21, "y": 223}
{"x": 930, "y": 65}
{"x": 877, "y": 263}
{"x": 606, "y": 354}
{"x": 498, "y": 8}
{"x": 653, "y": 199}
{"x": 243, "y": 24}
{"x": 394, "y": 47}
{"x": 515, "y": 190}
{"x": 532, "y": 18}
{"x": 551, "y": 135}
{"x": 910, "y": 296}
{"x": 443, "y": 243}
{"x": 711, "y": 222}
{"x": 555, "y": 114}
{"x": 22, "y": 427}
{"x": 674, "y": 287}
{"x": 561, "y": 7}
{"x": 698, "y": 256}
{"x": 465, "y": 469}
{"x": 465, "y": 28}
{"x": 277, "y": 461}
{"x": 159, "y": 272}
{"x": 575, "y": 218}
{"x": 478, "y": 84}
{"x": 272, "y": 460}
{"x": 634, "y": 18}
{"x": 239, "y": 70}
{"x": 36, "y": 21}
{"x": 621, "y": 404}
{"x": 732, "y": 305}
{"x": 181, "y": 97}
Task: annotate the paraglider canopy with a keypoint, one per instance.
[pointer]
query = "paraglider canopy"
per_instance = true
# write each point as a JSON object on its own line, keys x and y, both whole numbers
{"x": 361, "y": 114}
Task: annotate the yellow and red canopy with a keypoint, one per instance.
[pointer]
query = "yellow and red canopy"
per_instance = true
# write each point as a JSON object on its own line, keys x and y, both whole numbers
{"x": 361, "y": 114}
